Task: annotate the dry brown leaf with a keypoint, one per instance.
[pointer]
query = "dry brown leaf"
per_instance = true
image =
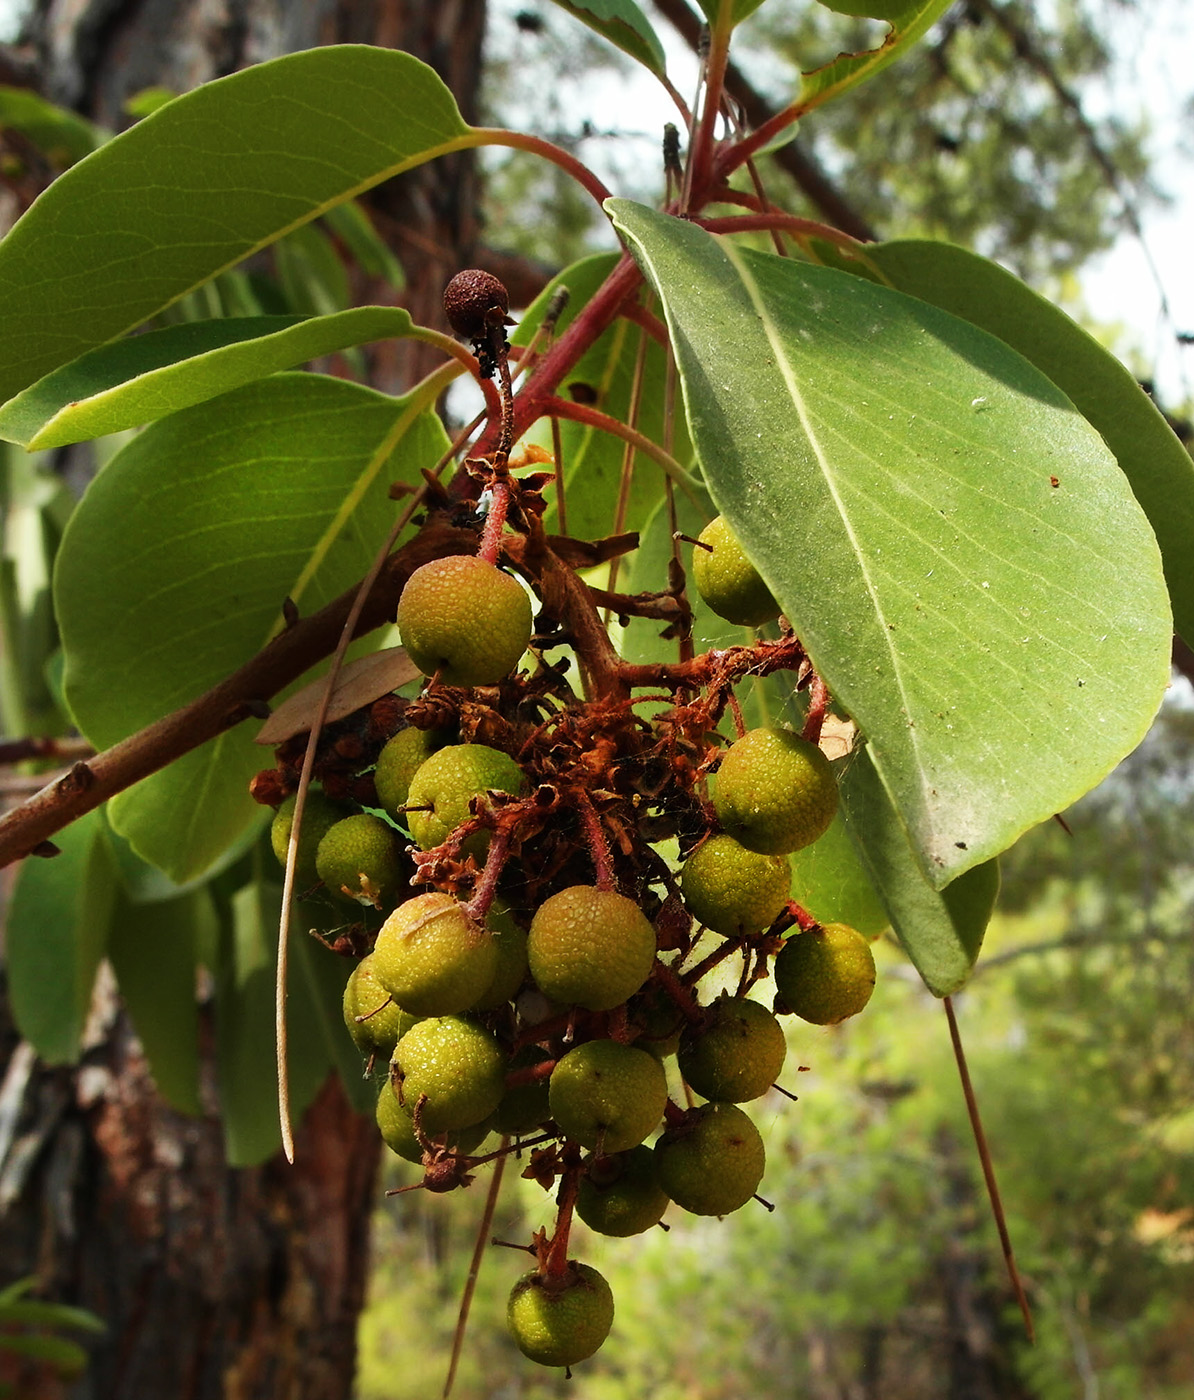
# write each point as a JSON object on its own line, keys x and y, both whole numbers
{"x": 359, "y": 683}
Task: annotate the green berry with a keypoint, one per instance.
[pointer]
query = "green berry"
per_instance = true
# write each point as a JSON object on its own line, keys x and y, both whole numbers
{"x": 524, "y": 1106}
{"x": 589, "y": 947}
{"x": 824, "y": 974}
{"x": 510, "y": 940}
{"x": 398, "y": 763}
{"x": 606, "y": 1093}
{"x": 320, "y": 814}
{"x": 360, "y": 860}
{"x": 775, "y": 792}
{"x": 732, "y": 890}
{"x": 448, "y": 782}
{"x": 737, "y": 1055}
{"x": 457, "y": 1064}
{"x": 621, "y": 1194}
{"x": 382, "y": 1021}
{"x": 562, "y": 1323}
{"x": 464, "y": 620}
{"x": 712, "y": 1163}
{"x": 432, "y": 958}
{"x": 397, "y": 1127}
{"x": 727, "y": 580}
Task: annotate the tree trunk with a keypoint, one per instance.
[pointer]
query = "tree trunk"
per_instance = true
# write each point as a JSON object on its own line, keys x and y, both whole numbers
{"x": 215, "y": 1284}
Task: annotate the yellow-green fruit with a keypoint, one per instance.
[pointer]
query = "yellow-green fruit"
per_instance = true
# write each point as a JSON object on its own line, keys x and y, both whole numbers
{"x": 564, "y": 1324}
{"x": 448, "y": 782}
{"x": 320, "y": 814}
{"x": 728, "y": 581}
{"x": 621, "y": 1195}
{"x": 775, "y": 792}
{"x": 737, "y": 1055}
{"x": 732, "y": 890}
{"x": 398, "y": 763}
{"x": 397, "y": 1127}
{"x": 360, "y": 860}
{"x": 712, "y": 1163}
{"x": 510, "y": 940}
{"x": 608, "y": 1093}
{"x": 457, "y": 1064}
{"x": 589, "y": 947}
{"x": 464, "y": 620}
{"x": 824, "y": 974}
{"x": 382, "y": 1021}
{"x": 432, "y": 958}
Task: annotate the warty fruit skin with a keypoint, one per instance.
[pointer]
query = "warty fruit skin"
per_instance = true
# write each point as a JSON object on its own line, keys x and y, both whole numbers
{"x": 463, "y": 619}
{"x": 398, "y": 763}
{"x": 385, "y": 1022}
{"x": 737, "y": 1055}
{"x": 397, "y": 1127}
{"x": 561, "y": 1326}
{"x": 359, "y": 860}
{"x": 590, "y": 947}
{"x": 776, "y": 792}
{"x": 621, "y": 1195}
{"x": 448, "y": 782}
{"x": 432, "y": 958}
{"x": 727, "y": 580}
{"x": 732, "y": 890}
{"x": 606, "y": 1093}
{"x": 457, "y": 1064}
{"x": 320, "y": 814}
{"x": 711, "y": 1164}
{"x": 824, "y": 974}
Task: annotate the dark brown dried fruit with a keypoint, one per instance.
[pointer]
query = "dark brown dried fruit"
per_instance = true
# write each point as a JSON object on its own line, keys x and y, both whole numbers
{"x": 475, "y": 302}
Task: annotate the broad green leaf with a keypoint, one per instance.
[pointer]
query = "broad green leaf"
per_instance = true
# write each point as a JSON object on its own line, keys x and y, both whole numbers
{"x": 350, "y": 223}
{"x": 67, "y": 1357}
{"x": 829, "y": 881}
{"x": 142, "y": 883}
{"x": 604, "y": 377}
{"x": 1150, "y": 454}
{"x": 62, "y": 136}
{"x": 323, "y": 975}
{"x": 623, "y": 23}
{"x": 889, "y": 468}
{"x": 57, "y": 932}
{"x": 144, "y": 378}
{"x": 941, "y": 932}
{"x": 202, "y": 183}
{"x": 200, "y": 528}
{"x": 312, "y": 277}
{"x": 909, "y": 21}
{"x": 35, "y": 1313}
{"x": 152, "y": 948}
{"x": 737, "y": 10}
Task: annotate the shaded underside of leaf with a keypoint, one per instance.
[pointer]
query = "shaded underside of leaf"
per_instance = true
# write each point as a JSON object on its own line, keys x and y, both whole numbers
{"x": 1148, "y": 451}
{"x": 909, "y": 22}
{"x": 146, "y": 377}
{"x": 889, "y": 469}
{"x": 623, "y": 23}
{"x": 200, "y": 185}
{"x": 201, "y": 528}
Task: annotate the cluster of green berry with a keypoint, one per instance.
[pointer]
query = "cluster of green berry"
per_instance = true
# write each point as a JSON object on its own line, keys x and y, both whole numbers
{"x": 528, "y": 959}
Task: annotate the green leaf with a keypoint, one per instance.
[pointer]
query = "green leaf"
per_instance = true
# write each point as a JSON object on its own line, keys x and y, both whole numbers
{"x": 738, "y": 9}
{"x": 200, "y": 528}
{"x": 34, "y": 1313}
{"x": 142, "y": 883}
{"x": 245, "y": 1026}
{"x": 144, "y": 378}
{"x": 1149, "y": 453}
{"x": 623, "y": 23}
{"x": 152, "y": 948}
{"x": 829, "y": 880}
{"x": 941, "y": 932}
{"x": 57, "y": 932}
{"x": 910, "y": 20}
{"x": 889, "y": 468}
{"x": 324, "y": 975}
{"x": 63, "y": 137}
{"x": 312, "y": 277}
{"x": 603, "y": 378}
{"x": 67, "y": 1357}
{"x": 201, "y": 184}
{"x": 350, "y": 223}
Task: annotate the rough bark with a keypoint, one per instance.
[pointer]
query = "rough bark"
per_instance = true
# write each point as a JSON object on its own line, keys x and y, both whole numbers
{"x": 215, "y": 1284}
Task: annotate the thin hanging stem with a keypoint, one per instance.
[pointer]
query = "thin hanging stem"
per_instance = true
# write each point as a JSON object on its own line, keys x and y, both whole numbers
{"x": 984, "y": 1156}
{"x": 470, "y": 1287}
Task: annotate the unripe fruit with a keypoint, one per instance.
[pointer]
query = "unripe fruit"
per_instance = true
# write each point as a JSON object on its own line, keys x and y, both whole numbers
{"x": 448, "y": 782}
{"x": 732, "y": 890}
{"x": 397, "y": 1127}
{"x": 713, "y": 1162}
{"x": 432, "y": 958}
{"x": 457, "y": 1064}
{"x": 727, "y": 580}
{"x": 824, "y": 974}
{"x": 621, "y": 1195}
{"x": 359, "y": 859}
{"x": 738, "y": 1055}
{"x": 510, "y": 940}
{"x": 398, "y": 763}
{"x": 524, "y": 1106}
{"x": 320, "y": 814}
{"x": 775, "y": 791}
{"x": 463, "y": 619}
{"x": 589, "y": 947}
{"x": 564, "y": 1324}
{"x": 384, "y": 1020}
{"x": 606, "y": 1093}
